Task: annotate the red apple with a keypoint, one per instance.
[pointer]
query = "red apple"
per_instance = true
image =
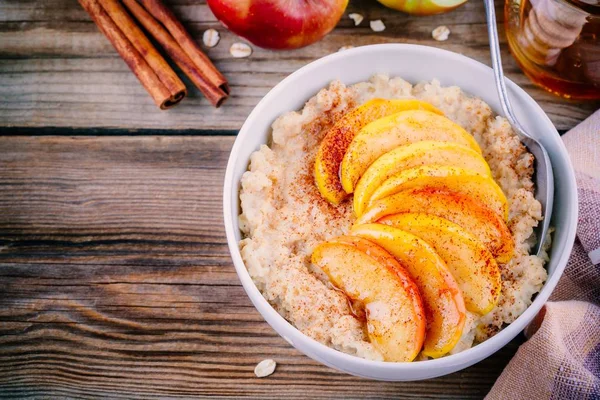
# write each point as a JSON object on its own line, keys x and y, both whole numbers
{"x": 279, "y": 24}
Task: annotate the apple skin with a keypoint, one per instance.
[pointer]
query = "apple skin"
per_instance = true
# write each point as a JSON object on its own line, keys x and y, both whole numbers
{"x": 422, "y": 7}
{"x": 279, "y": 24}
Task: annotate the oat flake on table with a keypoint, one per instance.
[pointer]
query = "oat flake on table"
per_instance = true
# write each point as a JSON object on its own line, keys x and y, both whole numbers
{"x": 377, "y": 25}
{"x": 441, "y": 33}
{"x": 357, "y": 18}
{"x": 240, "y": 50}
{"x": 211, "y": 37}
{"x": 265, "y": 368}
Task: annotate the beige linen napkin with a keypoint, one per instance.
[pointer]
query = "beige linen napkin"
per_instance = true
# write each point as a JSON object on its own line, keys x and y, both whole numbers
{"x": 561, "y": 359}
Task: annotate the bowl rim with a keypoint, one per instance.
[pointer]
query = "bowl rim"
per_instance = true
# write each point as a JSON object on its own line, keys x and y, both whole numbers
{"x": 290, "y": 333}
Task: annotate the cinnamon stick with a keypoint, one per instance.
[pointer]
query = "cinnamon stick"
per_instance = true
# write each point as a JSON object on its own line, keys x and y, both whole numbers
{"x": 198, "y": 76}
{"x": 143, "y": 45}
{"x": 138, "y": 65}
{"x": 185, "y": 40}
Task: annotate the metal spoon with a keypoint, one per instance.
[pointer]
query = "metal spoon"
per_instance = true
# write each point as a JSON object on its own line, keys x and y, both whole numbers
{"x": 544, "y": 179}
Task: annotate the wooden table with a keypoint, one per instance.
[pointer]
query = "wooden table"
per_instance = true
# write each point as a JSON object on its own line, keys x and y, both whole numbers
{"x": 115, "y": 277}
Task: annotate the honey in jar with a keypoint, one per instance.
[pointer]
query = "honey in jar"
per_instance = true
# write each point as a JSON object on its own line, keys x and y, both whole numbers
{"x": 557, "y": 44}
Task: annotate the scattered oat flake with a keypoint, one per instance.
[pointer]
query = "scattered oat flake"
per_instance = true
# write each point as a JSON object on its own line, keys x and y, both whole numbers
{"x": 211, "y": 37}
{"x": 240, "y": 50}
{"x": 357, "y": 18}
{"x": 377, "y": 25}
{"x": 441, "y": 33}
{"x": 265, "y": 368}
{"x": 346, "y": 48}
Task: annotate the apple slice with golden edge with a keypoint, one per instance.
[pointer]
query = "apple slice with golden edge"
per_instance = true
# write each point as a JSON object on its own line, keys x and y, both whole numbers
{"x": 444, "y": 305}
{"x": 469, "y": 261}
{"x": 366, "y": 273}
{"x": 338, "y": 138}
{"x": 460, "y": 180}
{"x": 414, "y": 155}
{"x": 465, "y": 211}
{"x": 385, "y": 134}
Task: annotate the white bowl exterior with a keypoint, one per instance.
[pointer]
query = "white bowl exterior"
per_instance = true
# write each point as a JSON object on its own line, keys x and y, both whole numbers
{"x": 414, "y": 64}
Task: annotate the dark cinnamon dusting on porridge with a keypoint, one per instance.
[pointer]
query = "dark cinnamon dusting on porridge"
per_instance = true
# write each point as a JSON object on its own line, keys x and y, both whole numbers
{"x": 304, "y": 188}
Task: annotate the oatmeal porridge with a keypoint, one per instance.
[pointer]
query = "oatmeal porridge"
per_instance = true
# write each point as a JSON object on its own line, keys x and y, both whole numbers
{"x": 288, "y": 213}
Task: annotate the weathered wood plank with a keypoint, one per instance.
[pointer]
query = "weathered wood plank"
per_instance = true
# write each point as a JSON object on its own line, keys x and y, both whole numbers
{"x": 56, "y": 69}
{"x": 116, "y": 282}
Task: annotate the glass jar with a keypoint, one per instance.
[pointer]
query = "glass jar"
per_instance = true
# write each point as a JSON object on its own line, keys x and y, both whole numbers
{"x": 557, "y": 44}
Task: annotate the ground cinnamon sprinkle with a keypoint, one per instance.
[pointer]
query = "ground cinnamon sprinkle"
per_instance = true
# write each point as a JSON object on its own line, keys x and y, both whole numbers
{"x": 337, "y": 144}
{"x": 304, "y": 187}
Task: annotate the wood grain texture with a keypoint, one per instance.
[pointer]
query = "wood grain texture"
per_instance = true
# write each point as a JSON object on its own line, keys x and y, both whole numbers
{"x": 116, "y": 282}
{"x": 57, "y": 70}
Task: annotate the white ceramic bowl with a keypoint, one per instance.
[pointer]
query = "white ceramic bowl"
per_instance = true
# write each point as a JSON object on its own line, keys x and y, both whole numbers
{"x": 414, "y": 64}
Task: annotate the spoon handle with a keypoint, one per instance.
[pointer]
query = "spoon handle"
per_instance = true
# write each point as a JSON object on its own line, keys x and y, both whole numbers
{"x": 544, "y": 176}
{"x": 497, "y": 65}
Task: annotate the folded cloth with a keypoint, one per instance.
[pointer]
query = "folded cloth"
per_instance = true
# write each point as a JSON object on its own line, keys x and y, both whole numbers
{"x": 561, "y": 358}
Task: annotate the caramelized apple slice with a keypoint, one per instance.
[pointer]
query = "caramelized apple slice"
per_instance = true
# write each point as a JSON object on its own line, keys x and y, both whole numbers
{"x": 471, "y": 264}
{"x": 460, "y": 180}
{"x": 415, "y": 155}
{"x": 394, "y": 312}
{"x": 443, "y": 301}
{"x": 338, "y": 138}
{"x": 385, "y": 134}
{"x": 465, "y": 211}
